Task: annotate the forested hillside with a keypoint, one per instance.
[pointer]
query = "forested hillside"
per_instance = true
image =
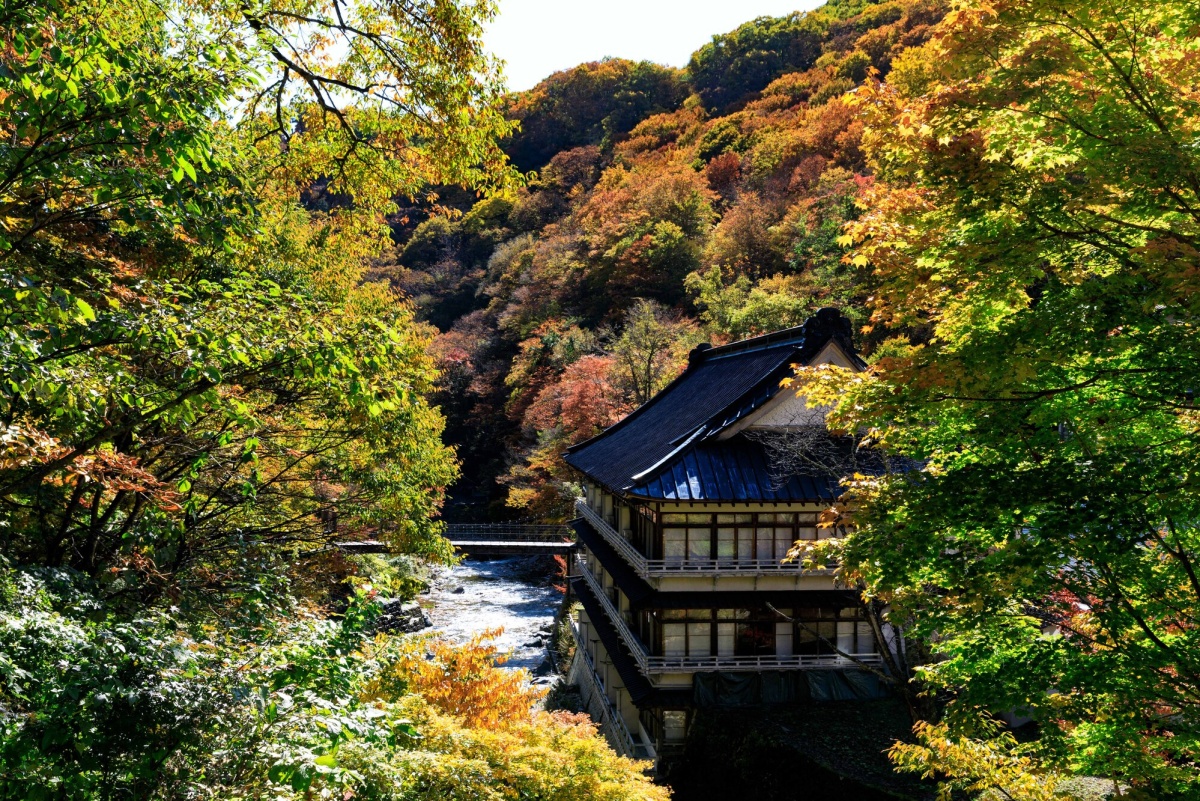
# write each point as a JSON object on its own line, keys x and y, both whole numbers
{"x": 666, "y": 207}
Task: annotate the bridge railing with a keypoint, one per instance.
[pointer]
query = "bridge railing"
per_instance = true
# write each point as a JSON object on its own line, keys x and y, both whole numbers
{"x": 507, "y": 532}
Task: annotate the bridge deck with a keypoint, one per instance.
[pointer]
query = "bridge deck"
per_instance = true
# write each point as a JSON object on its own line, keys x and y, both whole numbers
{"x": 506, "y": 547}
{"x": 491, "y": 539}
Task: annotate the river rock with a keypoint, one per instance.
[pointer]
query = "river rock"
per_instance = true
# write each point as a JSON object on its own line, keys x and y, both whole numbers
{"x": 459, "y": 590}
{"x": 402, "y": 616}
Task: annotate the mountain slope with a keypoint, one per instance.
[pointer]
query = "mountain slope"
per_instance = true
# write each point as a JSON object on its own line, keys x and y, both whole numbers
{"x": 668, "y": 207}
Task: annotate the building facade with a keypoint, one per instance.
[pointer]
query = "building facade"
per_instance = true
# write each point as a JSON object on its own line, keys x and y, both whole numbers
{"x": 686, "y": 519}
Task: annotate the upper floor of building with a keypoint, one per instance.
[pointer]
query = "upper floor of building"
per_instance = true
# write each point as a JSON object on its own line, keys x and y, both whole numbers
{"x": 725, "y": 470}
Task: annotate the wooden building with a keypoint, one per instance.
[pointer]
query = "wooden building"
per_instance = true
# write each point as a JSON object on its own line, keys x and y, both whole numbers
{"x": 685, "y": 522}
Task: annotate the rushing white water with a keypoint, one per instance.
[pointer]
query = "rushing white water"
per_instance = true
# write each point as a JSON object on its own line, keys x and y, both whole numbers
{"x": 513, "y": 593}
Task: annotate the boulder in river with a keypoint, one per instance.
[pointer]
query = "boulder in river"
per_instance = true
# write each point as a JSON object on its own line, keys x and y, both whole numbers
{"x": 402, "y": 617}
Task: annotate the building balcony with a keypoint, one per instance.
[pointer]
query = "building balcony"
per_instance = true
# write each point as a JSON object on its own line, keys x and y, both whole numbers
{"x": 610, "y": 722}
{"x": 690, "y": 565}
{"x": 655, "y": 664}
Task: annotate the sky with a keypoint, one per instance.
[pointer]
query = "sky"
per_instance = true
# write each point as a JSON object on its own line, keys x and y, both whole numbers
{"x": 538, "y": 37}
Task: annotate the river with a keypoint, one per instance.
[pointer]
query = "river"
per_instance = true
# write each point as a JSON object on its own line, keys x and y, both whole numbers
{"x": 513, "y": 593}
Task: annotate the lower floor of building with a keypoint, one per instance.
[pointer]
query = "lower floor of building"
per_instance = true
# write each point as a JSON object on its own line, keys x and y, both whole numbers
{"x": 647, "y": 717}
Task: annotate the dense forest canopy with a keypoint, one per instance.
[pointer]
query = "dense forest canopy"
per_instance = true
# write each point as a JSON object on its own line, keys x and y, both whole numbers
{"x": 666, "y": 208}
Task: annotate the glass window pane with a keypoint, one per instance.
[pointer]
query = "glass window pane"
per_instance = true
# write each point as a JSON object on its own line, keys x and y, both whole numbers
{"x": 828, "y": 633}
{"x": 866, "y": 639}
{"x": 807, "y": 533}
{"x": 783, "y": 638}
{"x": 700, "y": 518}
{"x": 765, "y": 548}
{"x": 805, "y": 641}
{"x": 726, "y": 543}
{"x": 756, "y": 638}
{"x": 699, "y": 639}
{"x": 674, "y": 517}
{"x": 674, "y": 639}
{"x": 725, "y": 519}
{"x": 674, "y": 543}
{"x": 699, "y": 544}
{"x": 725, "y": 638}
{"x": 783, "y": 542}
{"x": 745, "y": 543}
{"x": 674, "y": 725}
{"x": 845, "y": 637}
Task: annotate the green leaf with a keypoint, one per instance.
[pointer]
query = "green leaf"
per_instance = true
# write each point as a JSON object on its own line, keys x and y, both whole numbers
{"x": 85, "y": 310}
{"x": 187, "y": 167}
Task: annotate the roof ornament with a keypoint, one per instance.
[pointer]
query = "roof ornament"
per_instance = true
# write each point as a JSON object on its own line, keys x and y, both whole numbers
{"x": 830, "y": 322}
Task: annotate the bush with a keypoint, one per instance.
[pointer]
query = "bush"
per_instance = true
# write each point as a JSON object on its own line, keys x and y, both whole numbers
{"x": 296, "y": 706}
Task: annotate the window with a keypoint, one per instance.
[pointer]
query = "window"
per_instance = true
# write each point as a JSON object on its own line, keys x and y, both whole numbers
{"x": 674, "y": 544}
{"x": 674, "y": 639}
{"x": 827, "y": 631}
{"x": 674, "y": 725}
{"x": 754, "y": 638}
{"x": 726, "y": 638}
{"x": 726, "y": 544}
{"x": 783, "y": 638}
{"x": 693, "y": 638}
{"x": 736, "y": 537}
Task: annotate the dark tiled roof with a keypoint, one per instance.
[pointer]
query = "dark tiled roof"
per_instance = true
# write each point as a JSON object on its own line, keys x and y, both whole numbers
{"x": 720, "y": 386}
{"x": 736, "y": 469}
{"x": 641, "y": 594}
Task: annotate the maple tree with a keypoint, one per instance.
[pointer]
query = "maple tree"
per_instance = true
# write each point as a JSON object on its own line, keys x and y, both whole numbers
{"x": 192, "y": 366}
{"x": 1033, "y": 227}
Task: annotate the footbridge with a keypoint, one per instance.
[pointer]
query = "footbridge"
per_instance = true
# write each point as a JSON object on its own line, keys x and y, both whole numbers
{"x": 493, "y": 539}
{"x": 509, "y": 539}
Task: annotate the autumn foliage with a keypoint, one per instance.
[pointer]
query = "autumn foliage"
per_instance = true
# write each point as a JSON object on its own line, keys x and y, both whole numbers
{"x": 717, "y": 193}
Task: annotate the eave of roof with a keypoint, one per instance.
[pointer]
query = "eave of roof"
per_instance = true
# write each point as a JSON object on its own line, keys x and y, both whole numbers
{"x": 720, "y": 386}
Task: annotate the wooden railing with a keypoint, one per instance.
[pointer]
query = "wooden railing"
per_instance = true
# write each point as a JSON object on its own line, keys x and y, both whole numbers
{"x": 651, "y": 664}
{"x": 692, "y": 566}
